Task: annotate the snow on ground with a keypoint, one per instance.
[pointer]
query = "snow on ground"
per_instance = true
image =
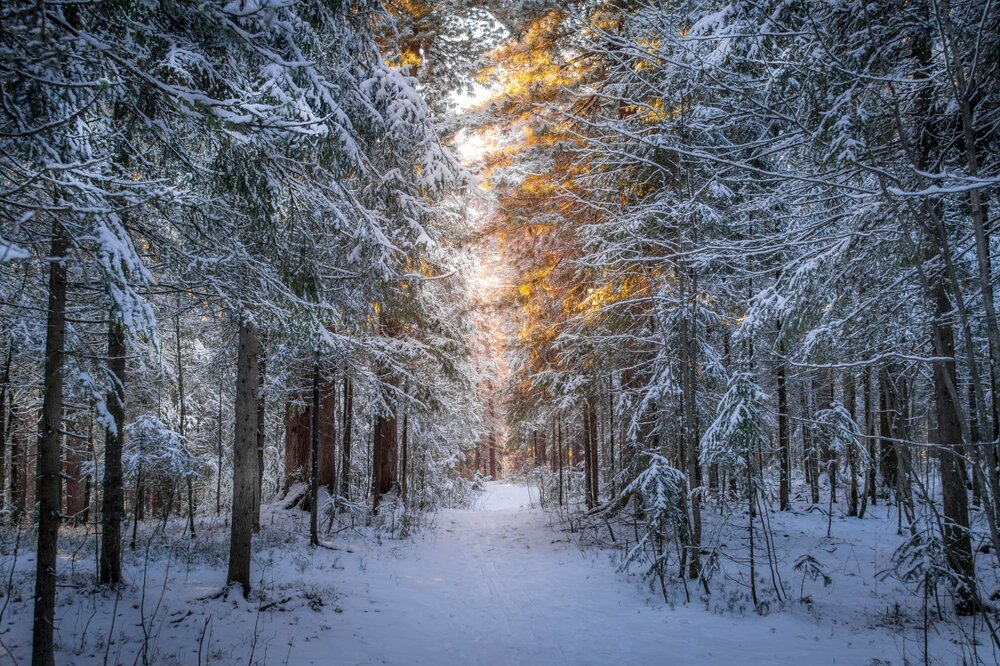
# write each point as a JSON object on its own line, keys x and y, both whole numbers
{"x": 495, "y": 585}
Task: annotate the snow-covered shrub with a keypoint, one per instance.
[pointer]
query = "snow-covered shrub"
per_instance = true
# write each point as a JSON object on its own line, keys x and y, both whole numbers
{"x": 739, "y": 428}
{"x": 840, "y": 431}
{"x": 479, "y": 482}
{"x": 920, "y": 561}
{"x": 547, "y": 483}
{"x": 661, "y": 489}
{"x": 157, "y": 453}
{"x": 390, "y": 519}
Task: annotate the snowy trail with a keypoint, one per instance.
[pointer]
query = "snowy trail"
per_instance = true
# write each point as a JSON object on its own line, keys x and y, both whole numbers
{"x": 493, "y": 586}
{"x": 497, "y": 585}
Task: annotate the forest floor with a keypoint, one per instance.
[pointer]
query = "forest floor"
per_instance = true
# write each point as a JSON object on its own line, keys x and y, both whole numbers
{"x": 501, "y": 583}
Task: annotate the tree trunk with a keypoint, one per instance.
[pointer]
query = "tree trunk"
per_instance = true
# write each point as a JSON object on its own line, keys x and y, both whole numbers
{"x": 810, "y": 451}
{"x": 218, "y": 445}
{"x": 113, "y": 504}
{"x": 888, "y": 458}
{"x": 868, "y": 494}
{"x": 689, "y": 410}
{"x": 492, "y": 444}
{"x": 48, "y": 485}
{"x": 328, "y": 437}
{"x": 965, "y": 93}
{"x": 74, "y": 486}
{"x": 405, "y": 453}
{"x": 384, "y": 456}
{"x": 314, "y": 460}
{"x": 595, "y": 486}
{"x": 955, "y": 526}
{"x": 182, "y": 429}
{"x": 613, "y": 489}
{"x": 258, "y": 490}
{"x": 559, "y": 451}
{"x": 554, "y": 457}
{"x": 587, "y": 441}
{"x": 345, "y": 449}
{"x": 784, "y": 444}
{"x": 894, "y": 426}
{"x": 18, "y": 494}
{"x": 88, "y": 487}
{"x": 5, "y": 419}
{"x": 850, "y": 401}
{"x": 830, "y": 462}
{"x": 244, "y": 457}
{"x": 297, "y": 433}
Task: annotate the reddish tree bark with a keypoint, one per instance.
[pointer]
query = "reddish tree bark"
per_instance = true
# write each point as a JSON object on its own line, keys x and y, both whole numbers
{"x": 297, "y": 425}
{"x": 345, "y": 448}
{"x": 327, "y": 475}
{"x": 298, "y": 431}
{"x": 18, "y": 490}
{"x": 74, "y": 485}
{"x": 48, "y": 482}
{"x": 493, "y": 455}
{"x": 385, "y": 457}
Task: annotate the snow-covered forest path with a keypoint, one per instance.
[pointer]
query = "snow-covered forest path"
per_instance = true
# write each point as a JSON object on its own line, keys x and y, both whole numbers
{"x": 498, "y": 585}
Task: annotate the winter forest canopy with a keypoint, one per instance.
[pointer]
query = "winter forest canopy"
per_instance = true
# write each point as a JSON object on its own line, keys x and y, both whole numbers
{"x": 287, "y": 288}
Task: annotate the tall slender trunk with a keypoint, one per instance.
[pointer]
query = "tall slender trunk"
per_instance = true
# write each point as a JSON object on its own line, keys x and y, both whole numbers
{"x": 613, "y": 488}
{"x": 182, "y": 425}
{"x": 869, "y": 429}
{"x": 554, "y": 458}
{"x": 751, "y": 512}
{"x": 559, "y": 450}
{"x": 244, "y": 457}
{"x": 17, "y": 484}
{"x": 830, "y": 461}
{"x": 894, "y": 425}
{"x": 689, "y": 361}
{"x": 952, "y": 427}
{"x": 888, "y": 458}
{"x": 954, "y": 501}
{"x": 113, "y": 503}
{"x": 404, "y": 452}
{"x": 88, "y": 486}
{"x": 784, "y": 443}
{"x": 850, "y": 400}
{"x": 595, "y": 488}
{"x": 964, "y": 92}
{"x": 971, "y": 449}
{"x": 345, "y": 449}
{"x": 218, "y": 451}
{"x": 314, "y": 460}
{"x": 258, "y": 489}
{"x": 48, "y": 486}
{"x": 5, "y": 418}
{"x": 587, "y": 441}
{"x": 811, "y": 452}
{"x": 139, "y": 504}
{"x": 492, "y": 442}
